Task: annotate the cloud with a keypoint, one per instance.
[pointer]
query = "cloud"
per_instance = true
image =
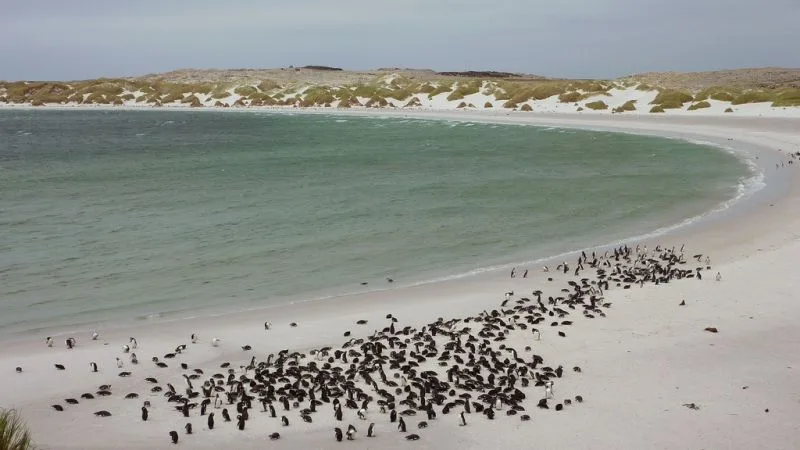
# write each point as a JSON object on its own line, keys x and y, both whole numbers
{"x": 577, "y": 38}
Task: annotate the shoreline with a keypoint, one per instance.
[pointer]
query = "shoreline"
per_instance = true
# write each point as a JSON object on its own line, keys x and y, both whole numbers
{"x": 643, "y": 360}
{"x": 773, "y": 186}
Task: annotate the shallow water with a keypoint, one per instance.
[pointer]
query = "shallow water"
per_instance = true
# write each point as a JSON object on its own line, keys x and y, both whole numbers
{"x": 110, "y": 215}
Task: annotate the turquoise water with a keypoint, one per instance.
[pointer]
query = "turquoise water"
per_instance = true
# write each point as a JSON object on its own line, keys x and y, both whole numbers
{"x": 112, "y": 215}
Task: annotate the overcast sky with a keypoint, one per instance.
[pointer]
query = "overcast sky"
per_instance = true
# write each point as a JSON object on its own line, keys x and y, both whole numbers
{"x": 63, "y": 40}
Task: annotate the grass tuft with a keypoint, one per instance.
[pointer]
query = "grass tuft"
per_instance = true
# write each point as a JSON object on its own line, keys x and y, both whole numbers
{"x": 598, "y": 105}
{"x": 630, "y": 105}
{"x": 14, "y": 433}
{"x": 699, "y": 105}
{"x": 657, "y": 109}
{"x": 671, "y": 99}
{"x": 751, "y": 97}
{"x": 526, "y": 107}
{"x": 728, "y": 110}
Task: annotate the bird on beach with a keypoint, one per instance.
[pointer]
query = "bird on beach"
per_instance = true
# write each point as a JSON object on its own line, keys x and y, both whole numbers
{"x": 49, "y": 341}
{"x": 215, "y": 342}
{"x": 95, "y": 335}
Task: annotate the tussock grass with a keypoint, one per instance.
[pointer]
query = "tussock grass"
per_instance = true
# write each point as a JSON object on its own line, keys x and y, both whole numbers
{"x": 630, "y": 105}
{"x": 413, "y": 102}
{"x": 443, "y": 86}
{"x": 268, "y": 85}
{"x": 246, "y": 91}
{"x": 487, "y": 105}
{"x": 580, "y": 108}
{"x": 644, "y": 87}
{"x": 699, "y": 105}
{"x": 598, "y": 105}
{"x": 376, "y": 102}
{"x": 14, "y": 433}
{"x": 752, "y": 97}
{"x": 789, "y": 97}
{"x": 571, "y": 97}
{"x": 464, "y": 89}
{"x": 317, "y": 95}
{"x": 728, "y": 110}
{"x": 671, "y": 99}
{"x": 526, "y": 107}
{"x": 172, "y": 97}
{"x": 657, "y": 109}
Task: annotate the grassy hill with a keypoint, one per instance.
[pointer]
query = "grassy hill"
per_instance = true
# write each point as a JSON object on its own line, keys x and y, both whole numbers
{"x": 319, "y": 86}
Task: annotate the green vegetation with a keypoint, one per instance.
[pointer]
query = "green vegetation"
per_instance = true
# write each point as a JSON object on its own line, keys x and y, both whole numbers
{"x": 268, "y": 85}
{"x": 526, "y": 107}
{"x": 246, "y": 91}
{"x": 464, "y": 89}
{"x": 571, "y": 97}
{"x": 487, "y": 105}
{"x": 657, "y": 109}
{"x": 597, "y": 105}
{"x": 644, "y": 87}
{"x": 789, "y": 97}
{"x": 728, "y": 110}
{"x": 699, "y": 105}
{"x": 752, "y": 97}
{"x": 14, "y": 434}
{"x": 716, "y": 93}
{"x": 444, "y": 86}
{"x": 317, "y": 95}
{"x": 630, "y": 105}
{"x": 580, "y": 108}
{"x": 671, "y": 99}
{"x": 413, "y": 102}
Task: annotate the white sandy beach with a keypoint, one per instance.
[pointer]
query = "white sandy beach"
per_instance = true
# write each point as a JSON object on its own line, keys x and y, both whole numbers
{"x": 640, "y": 364}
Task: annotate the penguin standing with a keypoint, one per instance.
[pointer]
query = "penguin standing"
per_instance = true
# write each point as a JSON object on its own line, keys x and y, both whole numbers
{"x": 145, "y": 414}
{"x": 188, "y": 428}
{"x": 211, "y": 421}
{"x": 240, "y": 423}
{"x": 174, "y": 435}
{"x": 463, "y": 419}
{"x": 284, "y": 421}
{"x": 370, "y": 430}
{"x": 93, "y": 366}
{"x": 401, "y": 425}
{"x": 338, "y": 433}
{"x": 351, "y": 432}
{"x": 393, "y": 416}
{"x": 225, "y": 415}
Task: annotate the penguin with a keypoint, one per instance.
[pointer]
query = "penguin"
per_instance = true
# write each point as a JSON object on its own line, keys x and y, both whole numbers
{"x": 211, "y": 421}
{"x": 188, "y": 428}
{"x": 370, "y": 430}
{"x": 70, "y": 343}
{"x": 338, "y": 433}
{"x": 194, "y": 338}
{"x": 134, "y": 343}
{"x": 93, "y": 366}
{"x": 463, "y": 419}
{"x": 272, "y": 411}
{"x": 49, "y": 341}
{"x": 60, "y": 367}
{"x": 225, "y": 415}
{"x": 134, "y": 359}
{"x": 95, "y": 335}
{"x": 284, "y": 421}
{"x": 215, "y": 342}
{"x": 362, "y": 414}
{"x": 393, "y": 416}
{"x": 19, "y": 369}
{"x": 240, "y": 423}
{"x": 126, "y": 348}
{"x": 174, "y": 435}
{"x": 267, "y": 325}
{"x": 144, "y": 414}
{"x": 351, "y": 432}
{"x": 401, "y": 425}
{"x": 275, "y": 436}
{"x": 119, "y": 363}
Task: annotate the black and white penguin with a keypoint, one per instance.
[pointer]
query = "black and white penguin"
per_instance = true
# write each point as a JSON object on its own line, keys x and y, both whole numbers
{"x": 188, "y": 428}
{"x": 370, "y": 430}
{"x": 19, "y": 369}
{"x": 95, "y": 335}
{"x": 93, "y": 366}
{"x": 194, "y": 338}
{"x": 401, "y": 425}
{"x": 211, "y": 421}
{"x": 284, "y": 421}
{"x": 225, "y": 415}
{"x": 174, "y": 435}
{"x": 240, "y": 423}
{"x": 144, "y": 414}
{"x": 275, "y": 436}
{"x": 134, "y": 359}
{"x": 362, "y": 414}
{"x": 49, "y": 341}
{"x": 126, "y": 348}
{"x": 70, "y": 343}
{"x": 463, "y": 419}
{"x": 134, "y": 343}
{"x": 351, "y": 432}
{"x": 337, "y": 432}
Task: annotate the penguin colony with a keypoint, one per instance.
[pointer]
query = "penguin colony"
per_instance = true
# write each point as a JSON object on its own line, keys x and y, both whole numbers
{"x": 400, "y": 378}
